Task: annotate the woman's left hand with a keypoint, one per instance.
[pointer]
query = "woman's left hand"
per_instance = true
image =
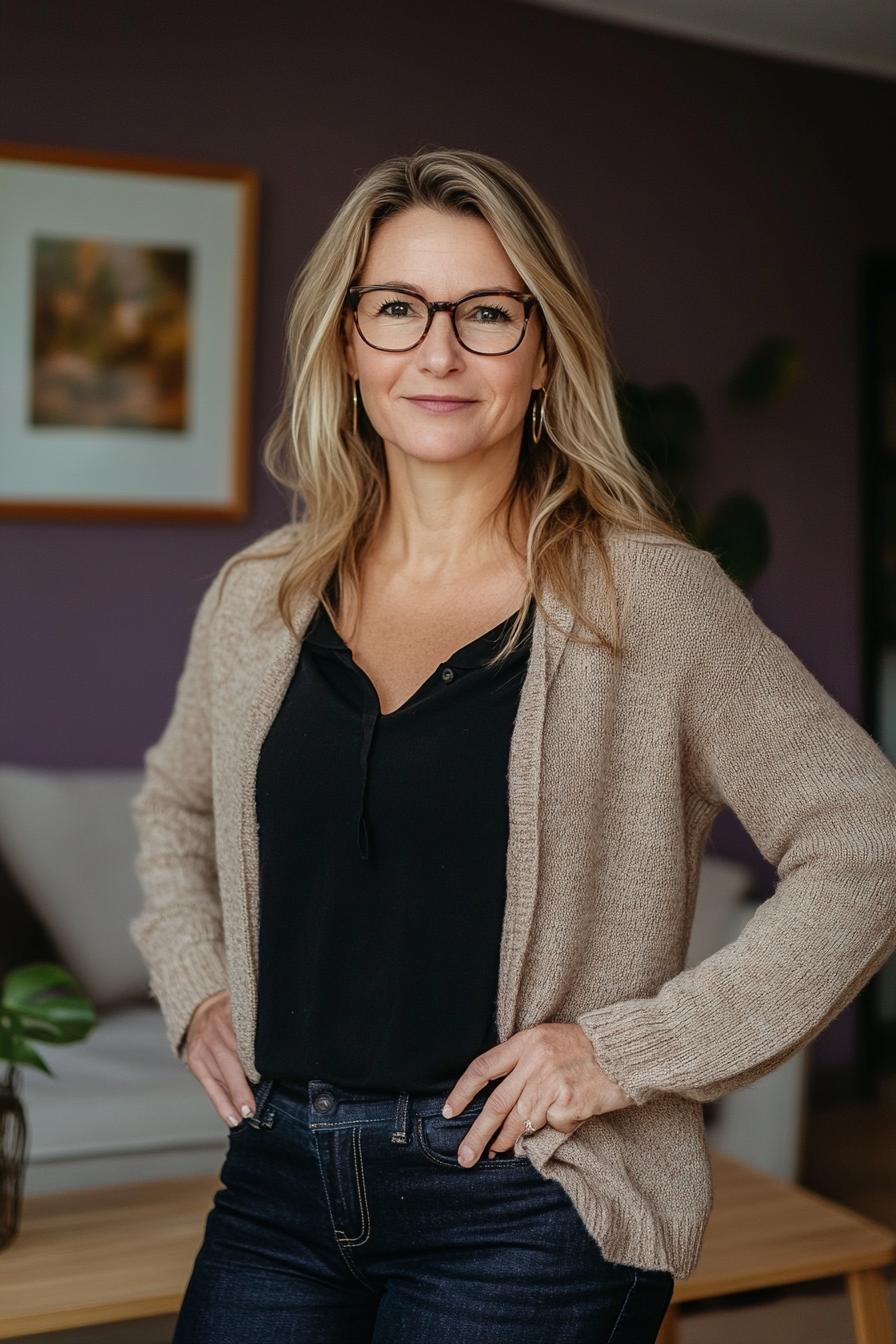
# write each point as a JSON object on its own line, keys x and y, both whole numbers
{"x": 550, "y": 1078}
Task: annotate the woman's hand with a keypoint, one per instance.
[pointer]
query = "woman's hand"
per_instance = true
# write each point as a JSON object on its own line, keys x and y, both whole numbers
{"x": 212, "y": 1056}
{"x": 550, "y": 1077}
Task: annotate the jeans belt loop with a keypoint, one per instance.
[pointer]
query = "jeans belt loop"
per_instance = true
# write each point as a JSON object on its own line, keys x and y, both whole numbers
{"x": 400, "y": 1134}
{"x": 261, "y": 1119}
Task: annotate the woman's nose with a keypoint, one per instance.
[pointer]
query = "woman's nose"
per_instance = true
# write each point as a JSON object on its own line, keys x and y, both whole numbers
{"x": 441, "y": 352}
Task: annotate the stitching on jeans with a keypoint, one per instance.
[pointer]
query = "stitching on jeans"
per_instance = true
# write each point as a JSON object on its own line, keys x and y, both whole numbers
{"x": 358, "y": 1273}
{"x": 323, "y": 1181}
{"x": 361, "y": 1189}
{"x": 343, "y": 1251}
{"x": 498, "y": 1164}
{"x": 341, "y": 1124}
{"x": 358, "y": 1124}
{"x": 400, "y": 1133}
{"x": 340, "y": 1234}
{"x": 325, "y": 1124}
{"x": 440, "y": 1161}
{"x": 632, "y": 1286}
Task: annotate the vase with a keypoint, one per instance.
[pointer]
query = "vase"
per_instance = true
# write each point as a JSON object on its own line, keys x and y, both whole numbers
{"x": 12, "y": 1156}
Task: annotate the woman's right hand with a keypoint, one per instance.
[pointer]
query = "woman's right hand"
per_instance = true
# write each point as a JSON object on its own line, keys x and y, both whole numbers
{"x": 212, "y": 1056}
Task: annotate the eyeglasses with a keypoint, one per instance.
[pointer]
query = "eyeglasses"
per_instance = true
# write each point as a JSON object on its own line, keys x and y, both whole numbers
{"x": 489, "y": 322}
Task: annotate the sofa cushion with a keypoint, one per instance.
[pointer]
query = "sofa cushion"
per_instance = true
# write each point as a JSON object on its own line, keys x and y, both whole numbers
{"x": 70, "y": 844}
{"x": 121, "y": 1091}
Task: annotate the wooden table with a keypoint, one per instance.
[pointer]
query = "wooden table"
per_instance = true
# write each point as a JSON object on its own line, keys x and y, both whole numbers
{"x": 125, "y": 1252}
{"x": 765, "y": 1233}
{"x": 114, "y": 1254}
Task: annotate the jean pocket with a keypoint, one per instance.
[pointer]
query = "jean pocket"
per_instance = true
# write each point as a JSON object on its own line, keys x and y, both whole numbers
{"x": 439, "y": 1140}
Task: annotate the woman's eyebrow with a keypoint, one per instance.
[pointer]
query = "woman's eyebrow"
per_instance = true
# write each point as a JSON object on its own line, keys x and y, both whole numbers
{"x": 407, "y": 288}
{"x": 403, "y": 285}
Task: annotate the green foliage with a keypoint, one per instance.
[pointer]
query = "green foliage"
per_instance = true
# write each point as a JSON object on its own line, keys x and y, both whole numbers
{"x": 666, "y": 428}
{"x": 771, "y": 370}
{"x": 41, "y": 1002}
{"x": 738, "y": 534}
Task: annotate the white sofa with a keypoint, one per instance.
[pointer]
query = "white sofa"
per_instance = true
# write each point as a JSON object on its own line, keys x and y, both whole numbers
{"x": 120, "y": 1107}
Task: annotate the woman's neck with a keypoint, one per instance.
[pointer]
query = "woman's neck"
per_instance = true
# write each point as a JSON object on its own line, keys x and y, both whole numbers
{"x": 445, "y": 567}
{"x": 449, "y": 517}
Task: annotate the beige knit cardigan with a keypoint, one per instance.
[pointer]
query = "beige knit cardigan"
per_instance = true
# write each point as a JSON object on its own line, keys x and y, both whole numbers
{"x": 618, "y": 765}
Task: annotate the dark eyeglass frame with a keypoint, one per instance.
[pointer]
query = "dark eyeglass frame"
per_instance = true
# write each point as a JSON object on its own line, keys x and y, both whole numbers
{"x": 356, "y": 293}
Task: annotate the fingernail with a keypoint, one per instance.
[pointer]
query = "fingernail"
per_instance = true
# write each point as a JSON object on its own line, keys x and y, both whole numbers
{"x": 465, "y": 1156}
{"x": 491, "y": 1155}
{"x": 232, "y": 1121}
{"x": 447, "y": 1112}
{"x": 246, "y": 1112}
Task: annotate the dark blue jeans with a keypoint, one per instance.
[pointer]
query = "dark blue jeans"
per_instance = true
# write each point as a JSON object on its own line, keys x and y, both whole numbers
{"x": 346, "y": 1219}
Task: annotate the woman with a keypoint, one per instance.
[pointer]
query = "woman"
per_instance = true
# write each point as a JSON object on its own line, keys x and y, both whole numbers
{"x": 421, "y": 841}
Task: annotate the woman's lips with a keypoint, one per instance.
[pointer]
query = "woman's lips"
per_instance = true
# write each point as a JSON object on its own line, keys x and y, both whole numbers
{"x": 442, "y": 405}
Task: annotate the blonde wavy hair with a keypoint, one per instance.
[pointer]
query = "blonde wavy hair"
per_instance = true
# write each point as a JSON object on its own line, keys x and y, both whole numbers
{"x": 579, "y": 479}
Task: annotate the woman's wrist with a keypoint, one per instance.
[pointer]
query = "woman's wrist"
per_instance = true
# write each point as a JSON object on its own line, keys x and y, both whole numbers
{"x": 203, "y": 1007}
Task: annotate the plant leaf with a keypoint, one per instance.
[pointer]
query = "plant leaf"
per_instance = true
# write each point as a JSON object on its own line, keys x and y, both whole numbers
{"x": 14, "y": 1049}
{"x": 665, "y": 427}
{"x": 38, "y": 977}
{"x": 19, "y": 1025}
{"x": 738, "y": 534}
{"x": 44, "y": 1002}
{"x": 771, "y": 370}
{"x": 59, "y": 1022}
{"x": 23, "y": 1053}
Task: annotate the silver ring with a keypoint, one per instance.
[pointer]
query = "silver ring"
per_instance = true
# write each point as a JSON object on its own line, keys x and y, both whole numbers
{"x": 529, "y": 1128}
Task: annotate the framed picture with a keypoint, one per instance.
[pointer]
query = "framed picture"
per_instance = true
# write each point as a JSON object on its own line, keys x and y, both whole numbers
{"x": 127, "y": 293}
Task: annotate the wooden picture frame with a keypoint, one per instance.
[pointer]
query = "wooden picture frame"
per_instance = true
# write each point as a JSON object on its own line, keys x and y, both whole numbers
{"x": 127, "y": 303}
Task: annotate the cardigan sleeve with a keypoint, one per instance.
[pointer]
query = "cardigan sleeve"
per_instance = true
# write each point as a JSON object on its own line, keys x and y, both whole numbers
{"x": 180, "y": 931}
{"x": 819, "y": 799}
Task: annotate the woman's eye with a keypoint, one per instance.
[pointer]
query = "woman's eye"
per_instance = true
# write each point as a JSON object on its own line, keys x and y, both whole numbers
{"x": 490, "y": 316}
{"x": 394, "y": 309}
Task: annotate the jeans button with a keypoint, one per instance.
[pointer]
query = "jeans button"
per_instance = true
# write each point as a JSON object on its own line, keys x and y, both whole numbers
{"x": 323, "y": 1102}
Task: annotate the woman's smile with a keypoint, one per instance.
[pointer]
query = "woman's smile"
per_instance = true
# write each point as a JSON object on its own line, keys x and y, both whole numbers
{"x": 441, "y": 405}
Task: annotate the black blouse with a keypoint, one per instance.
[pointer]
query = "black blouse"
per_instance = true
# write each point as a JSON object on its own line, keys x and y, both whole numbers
{"x": 383, "y": 845}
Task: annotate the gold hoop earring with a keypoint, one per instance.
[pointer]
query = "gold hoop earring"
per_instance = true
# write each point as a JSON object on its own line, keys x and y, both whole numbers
{"x": 538, "y": 415}
{"x": 355, "y": 407}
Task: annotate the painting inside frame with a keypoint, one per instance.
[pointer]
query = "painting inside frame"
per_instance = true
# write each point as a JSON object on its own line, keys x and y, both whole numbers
{"x": 111, "y": 334}
{"x": 126, "y": 312}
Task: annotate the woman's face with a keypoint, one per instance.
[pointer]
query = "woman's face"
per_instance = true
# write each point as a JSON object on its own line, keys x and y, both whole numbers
{"x": 438, "y": 402}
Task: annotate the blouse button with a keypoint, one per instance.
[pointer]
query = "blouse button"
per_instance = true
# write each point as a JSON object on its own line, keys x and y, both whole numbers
{"x": 447, "y": 674}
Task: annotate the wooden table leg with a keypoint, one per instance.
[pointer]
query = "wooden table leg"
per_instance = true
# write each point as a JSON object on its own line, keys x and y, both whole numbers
{"x": 870, "y": 1305}
{"x": 669, "y": 1329}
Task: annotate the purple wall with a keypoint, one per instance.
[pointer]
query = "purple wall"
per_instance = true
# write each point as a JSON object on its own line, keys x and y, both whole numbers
{"x": 716, "y": 197}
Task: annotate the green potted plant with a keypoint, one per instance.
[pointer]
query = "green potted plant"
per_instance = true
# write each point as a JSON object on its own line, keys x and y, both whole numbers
{"x": 666, "y": 427}
{"x": 41, "y": 1002}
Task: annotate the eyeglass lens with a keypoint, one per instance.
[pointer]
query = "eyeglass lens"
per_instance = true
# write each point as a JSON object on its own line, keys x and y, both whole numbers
{"x": 488, "y": 324}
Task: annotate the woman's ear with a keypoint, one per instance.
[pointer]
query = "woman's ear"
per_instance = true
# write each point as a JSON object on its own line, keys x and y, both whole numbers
{"x": 541, "y": 371}
{"x": 348, "y": 347}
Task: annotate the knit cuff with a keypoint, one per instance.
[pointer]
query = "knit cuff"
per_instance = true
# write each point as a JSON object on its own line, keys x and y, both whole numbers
{"x": 632, "y": 1048}
{"x": 188, "y": 978}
